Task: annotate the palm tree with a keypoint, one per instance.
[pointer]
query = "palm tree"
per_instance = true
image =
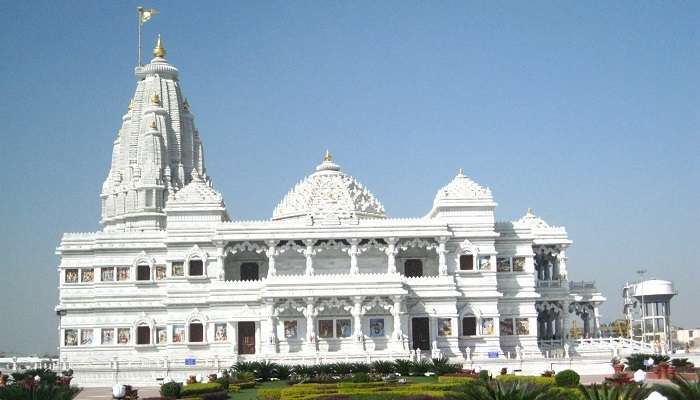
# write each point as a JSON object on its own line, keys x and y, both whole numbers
{"x": 618, "y": 392}
{"x": 685, "y": 390}
{"x": 508, "y": 391}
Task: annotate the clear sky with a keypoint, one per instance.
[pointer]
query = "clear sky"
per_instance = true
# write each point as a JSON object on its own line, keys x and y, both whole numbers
{"x": 585, "y": 111}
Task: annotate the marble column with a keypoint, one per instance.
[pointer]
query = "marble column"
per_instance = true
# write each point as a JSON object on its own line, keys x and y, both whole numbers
{"x": 357, "y": 322}
{"x": 397, "y": 315}
{"x": 271, "y": 254}
{"x": 220, "y": 273}
{"x": 596, "y": 320}
{"x": 310, "y": 314}
{"x": 391, "y": 255}
{"x": 271, "y": 337}
{"x": 442, "y": 256}
{"x": 353, "y": 252}
{"x": 586, "y": 325}
{"x": 561, "y": 257}
{"x": 308, "y": 253}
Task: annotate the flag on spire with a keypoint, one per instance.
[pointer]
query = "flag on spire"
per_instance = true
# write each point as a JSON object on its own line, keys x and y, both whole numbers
{"x": 146, "y": 13}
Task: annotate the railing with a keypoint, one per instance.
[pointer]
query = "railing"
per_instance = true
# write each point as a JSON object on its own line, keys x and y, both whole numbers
{"x": 550, "y": 283}
{"x": 615, "y": 342}
{"x": 582, "y": 285}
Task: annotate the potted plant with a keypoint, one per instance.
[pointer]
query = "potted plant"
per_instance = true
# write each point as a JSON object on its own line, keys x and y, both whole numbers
{"x": 617, "y": 365}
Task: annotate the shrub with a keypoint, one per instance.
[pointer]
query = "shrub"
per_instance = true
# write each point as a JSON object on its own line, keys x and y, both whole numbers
{"x": 484, "y": 375}
{"x": 245, "y": 377}
{"x": 636, "y": 361}
{"x": 681, "y": 363}
{"x": 234, "y": 388}
{"x": 403, "y": 367}
{"x": 383, "y": 367}
{"x": 170, "y": 389}
{"x": 442, "y": 366}
{"x": 532, "y": 380}
{"x": 422, "y": 367}
{"x": 282, "y": 372}
{"x": 567, "y": 378}
{"x": 563, "y": 393}
{"x": 360, "y": 367}
{"x": 360, "y": 377}
{"x": 246, "y": 385}
{"x": 243, "y": 366}
{"x": 195, "y": 389}
{"x": 456, "y": 379}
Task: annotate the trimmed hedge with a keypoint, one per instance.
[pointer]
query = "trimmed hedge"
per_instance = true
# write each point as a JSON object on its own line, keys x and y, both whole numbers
{"x": 567, "y": 378}
{"x": 196, "y": 389}
{"x": 563, "y": 393}
{"x": 371, "y": 390}
{"x": 534, "y": 380}
{"x": 456, "y": 379}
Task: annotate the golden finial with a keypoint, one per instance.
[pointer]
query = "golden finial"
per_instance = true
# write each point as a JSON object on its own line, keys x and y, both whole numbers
{"x": 327, "y": 156}
{"x": 186, "y": 105}
{"x": 159, "y": 50}
{"x": 153, "y": 124}
{"x": 155, "y": 99}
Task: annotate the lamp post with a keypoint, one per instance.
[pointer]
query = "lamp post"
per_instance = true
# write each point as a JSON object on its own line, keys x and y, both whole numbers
{"x": 641, "y": 273}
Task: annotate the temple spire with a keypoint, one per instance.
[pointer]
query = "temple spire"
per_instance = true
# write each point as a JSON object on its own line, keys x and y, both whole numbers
{"x": 159, "y": 51}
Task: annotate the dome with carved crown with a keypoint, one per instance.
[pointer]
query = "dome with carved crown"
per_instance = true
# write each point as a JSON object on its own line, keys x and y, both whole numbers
{"x": 463, "y": 188}
{"x": 532, "y": 220}
{"x": 328, "y": 195}
{"x": 198, "y": 191}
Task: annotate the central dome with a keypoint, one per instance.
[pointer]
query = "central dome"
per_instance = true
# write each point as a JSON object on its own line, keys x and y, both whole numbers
{"x": 328, "y": 195}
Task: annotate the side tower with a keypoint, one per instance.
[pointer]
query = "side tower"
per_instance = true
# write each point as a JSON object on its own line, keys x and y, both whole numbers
{"x": 155, "y": 152}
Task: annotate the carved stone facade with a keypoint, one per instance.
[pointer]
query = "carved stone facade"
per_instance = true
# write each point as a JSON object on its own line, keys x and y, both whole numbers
{"x": 329, "y": 277}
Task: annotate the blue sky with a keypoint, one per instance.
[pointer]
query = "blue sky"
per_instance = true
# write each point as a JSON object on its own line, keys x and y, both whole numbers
{"x": 585, "y": 111}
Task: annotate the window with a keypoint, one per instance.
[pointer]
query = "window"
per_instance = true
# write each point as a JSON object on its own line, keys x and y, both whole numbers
{"x": 444, "y": 327}
{"x": 466, "y": 262}
{"x": 86, "y": 336}
{"x": 107, "y": 274}
{"x": 178, "y": 334}
{"x": 71, "y": 276}
{"x": 690, "y": 334}
{"x": 249, "y": 271}
{"x": 143, "y": 335}
{"x": 160, "y": 272}
{"x": 290, "y": 329}
{"x": 161, "y": 335}
{"x": 107, "y": 336}
{"x": 503, "y": 264}
{"x": 196, "y": 268}
{"x": 343, "y": 328}
{"x": 325, "y": 328}
{"x": 70, "y": 337}
{"x": 178, "y": 268}
{"x": 123, "y": 273}
{"x": 143, "y": 273}
{"x": 507, "y": 327}
{"x": 87, "y": 275}
{"x": 196, "y": 332}
{"x": 413, "y": 268}
{"x": 523, "y": 326}
{"x": 123, "y": 335}
{"x": 220, "y": 332}
{"x": 485, "y": 263}
{"x": 518, "y": 264}
{"x": 469, "y": 326}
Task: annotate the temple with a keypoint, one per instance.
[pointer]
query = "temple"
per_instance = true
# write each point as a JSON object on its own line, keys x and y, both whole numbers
{"x": 172, "y": 279}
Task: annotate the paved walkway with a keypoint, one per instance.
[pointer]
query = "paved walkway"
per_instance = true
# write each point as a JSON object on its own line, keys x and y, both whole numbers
{"x": 106, "y": 393}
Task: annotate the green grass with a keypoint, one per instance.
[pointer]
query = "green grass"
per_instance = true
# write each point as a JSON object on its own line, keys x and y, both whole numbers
{"x": 251, "y": 394}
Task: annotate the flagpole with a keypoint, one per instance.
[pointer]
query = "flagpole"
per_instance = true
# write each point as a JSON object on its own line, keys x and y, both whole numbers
{"x": 140, "y": 10}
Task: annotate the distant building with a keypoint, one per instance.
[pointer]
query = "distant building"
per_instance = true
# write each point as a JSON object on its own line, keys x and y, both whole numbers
{"x": 647, "y": 309}
{"x": 689, "y": 337}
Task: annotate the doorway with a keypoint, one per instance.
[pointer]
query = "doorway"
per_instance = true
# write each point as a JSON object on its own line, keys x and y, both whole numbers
{"x": 420, "y": 328}
{"x": 246, "y": 337}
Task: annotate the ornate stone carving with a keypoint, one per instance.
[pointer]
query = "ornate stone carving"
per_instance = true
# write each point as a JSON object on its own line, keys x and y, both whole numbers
{"x": 329, "y": 196}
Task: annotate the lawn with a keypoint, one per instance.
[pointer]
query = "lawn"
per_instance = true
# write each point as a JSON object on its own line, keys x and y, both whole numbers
{"x": 251, "y": 394}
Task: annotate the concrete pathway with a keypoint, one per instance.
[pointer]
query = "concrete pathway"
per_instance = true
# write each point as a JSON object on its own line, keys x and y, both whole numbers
{"x": 106, "y": 393}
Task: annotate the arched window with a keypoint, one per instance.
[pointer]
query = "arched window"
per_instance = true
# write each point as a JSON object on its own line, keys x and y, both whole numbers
{"x": 143, "y": 334}
{"x": 196, "y": 332}
{"x": 469, "y": 326}
{"x": 466, "y": 262}
{"x": 196, "y": 267}
{"x": 143, "y": 272}
{"x": 413, "y": 268}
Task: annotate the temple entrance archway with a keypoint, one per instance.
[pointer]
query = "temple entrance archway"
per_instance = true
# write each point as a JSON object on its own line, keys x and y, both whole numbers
{"x": 246, "y": 337}
{"x": 420, "y": 333}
